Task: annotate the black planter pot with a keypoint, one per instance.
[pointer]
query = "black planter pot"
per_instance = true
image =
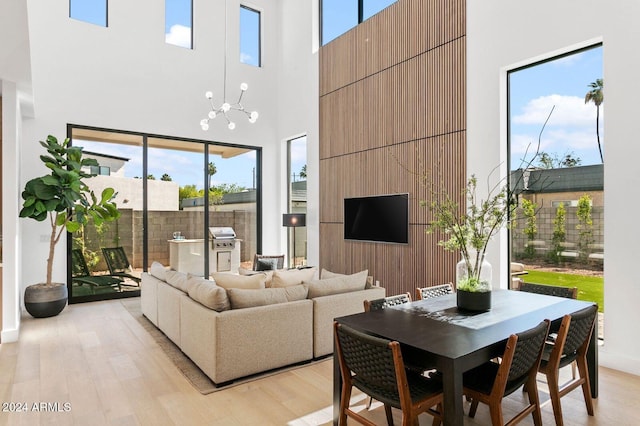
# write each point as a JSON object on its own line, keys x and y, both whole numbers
{"x": 473, "y": 301}
{"x": 43, "y": 301}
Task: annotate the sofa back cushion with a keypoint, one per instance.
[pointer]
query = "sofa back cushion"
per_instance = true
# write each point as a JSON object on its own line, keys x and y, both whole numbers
{"x": 243, "y": 298}
{"x": 337, "y": 284}
{"x": 228, "y": 281}
{"x": 158, "y": 270}
{"x": 207, "y": 293}
{"x": 177, "y": 279}
{"x": 286, "y": 278}
{"x": 328, "y": 274}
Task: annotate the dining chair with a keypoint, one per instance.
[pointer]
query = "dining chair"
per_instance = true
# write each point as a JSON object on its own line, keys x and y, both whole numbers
{"x": 550, "y": 290}
{"x": 433, "y": 291}
{"x": 490, "y": 382}
{"x": 266, "y": 262}
{"x": 570, "y": 345}
{"x": 414, "y": 360}
{"x": 376, "y": 367}
{"x": 382, "y": 303}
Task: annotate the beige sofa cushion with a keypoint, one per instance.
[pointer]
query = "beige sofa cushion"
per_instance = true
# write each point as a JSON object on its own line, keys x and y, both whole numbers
{"x": 269, "y": 274}
{"x": 208, "y": 293}
{"x": 338, "y": 284}
{"x": 177, "y": 279}
{"x": 286, "y": 278}
{"x": 158, "y": 270}
{"x": 242, "y": 298}
{"x": 328, "y": 274}
{"x": 228, "y": 281}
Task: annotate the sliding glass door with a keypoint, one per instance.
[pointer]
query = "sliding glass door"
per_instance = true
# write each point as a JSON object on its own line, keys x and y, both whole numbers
{"x": 170, "y": 192}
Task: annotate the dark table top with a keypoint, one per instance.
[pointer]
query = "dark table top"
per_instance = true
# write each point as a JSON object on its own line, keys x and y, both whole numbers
{"x": 436, "y": 326}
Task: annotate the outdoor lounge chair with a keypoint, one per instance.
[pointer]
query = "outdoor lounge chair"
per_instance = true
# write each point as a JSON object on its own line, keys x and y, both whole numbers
{"x": 81, "y": 275}
{"x": 118, "y": 263}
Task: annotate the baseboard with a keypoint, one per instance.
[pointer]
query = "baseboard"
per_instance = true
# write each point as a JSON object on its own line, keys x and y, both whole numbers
{"x": 8, "y": 336}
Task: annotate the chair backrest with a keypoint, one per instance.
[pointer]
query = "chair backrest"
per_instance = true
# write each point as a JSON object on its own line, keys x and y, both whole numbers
{"x": 550, "y": 290}
{"x": 521, "y": 359}
{"x": 79, "y": 266}
{"x": 433, "y": 291}
{"x": 279, "y": 261}
{"x": 383, "y": 303}
{"x": 116, "y": 258}
{"x": 370, "y": 361}
{"x": 580, "y": 329}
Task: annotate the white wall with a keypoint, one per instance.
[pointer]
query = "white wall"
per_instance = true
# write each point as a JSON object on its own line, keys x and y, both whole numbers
{"x": 126, "y": 77}
{"x": 503, "y": 34}
{"x": 11, "y": 241}
{"x": 299, "y": 110}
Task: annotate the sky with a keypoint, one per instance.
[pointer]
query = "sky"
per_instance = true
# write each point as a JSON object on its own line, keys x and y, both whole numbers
{"x": 562, "y": 83}
{"x": 571, "y": 129}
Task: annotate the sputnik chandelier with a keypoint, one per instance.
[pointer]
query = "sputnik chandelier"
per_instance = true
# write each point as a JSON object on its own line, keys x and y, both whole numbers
{"x": 226, "y": 107}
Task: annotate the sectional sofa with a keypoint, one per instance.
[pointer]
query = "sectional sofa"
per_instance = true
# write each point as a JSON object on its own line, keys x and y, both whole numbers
{"x": 233, "y": 326}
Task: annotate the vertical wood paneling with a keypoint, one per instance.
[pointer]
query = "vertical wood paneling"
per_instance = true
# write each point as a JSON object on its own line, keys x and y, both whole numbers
{"x": 392, "y": 108}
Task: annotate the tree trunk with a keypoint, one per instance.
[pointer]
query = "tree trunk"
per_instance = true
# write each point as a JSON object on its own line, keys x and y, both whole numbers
{"x": 52, "y": 246}
{"x": 598, "y": 133}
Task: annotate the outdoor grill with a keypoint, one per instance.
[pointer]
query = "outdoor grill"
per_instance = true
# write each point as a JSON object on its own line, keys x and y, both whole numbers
{"x": 225, "y": 249}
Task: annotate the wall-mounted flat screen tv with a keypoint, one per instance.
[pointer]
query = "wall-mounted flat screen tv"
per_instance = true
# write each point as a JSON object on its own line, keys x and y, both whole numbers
{"x": 381, "y": 218}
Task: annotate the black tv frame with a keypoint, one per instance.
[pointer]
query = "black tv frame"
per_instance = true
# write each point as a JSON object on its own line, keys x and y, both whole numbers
{"x": 377, "y": 218}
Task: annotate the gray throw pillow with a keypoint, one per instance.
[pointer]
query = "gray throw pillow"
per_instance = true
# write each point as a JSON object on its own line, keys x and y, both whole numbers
{"x": 266, "y": 264}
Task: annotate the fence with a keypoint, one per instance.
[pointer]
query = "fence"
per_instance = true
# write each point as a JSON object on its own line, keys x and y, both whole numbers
{"x": 128, "y": 233}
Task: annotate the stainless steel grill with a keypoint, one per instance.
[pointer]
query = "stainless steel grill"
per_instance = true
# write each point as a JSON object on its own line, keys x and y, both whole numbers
{"x": 225, "y": 249}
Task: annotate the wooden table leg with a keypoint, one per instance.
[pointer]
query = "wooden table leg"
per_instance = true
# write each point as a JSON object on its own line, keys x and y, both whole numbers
{"x": 452, "y": 388}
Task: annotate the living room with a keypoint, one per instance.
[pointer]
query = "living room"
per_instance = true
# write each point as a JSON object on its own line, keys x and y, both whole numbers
{"x": 57, "y": 71}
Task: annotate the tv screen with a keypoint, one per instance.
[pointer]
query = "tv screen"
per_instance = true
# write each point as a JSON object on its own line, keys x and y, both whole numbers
{"x": 381, "y": 218}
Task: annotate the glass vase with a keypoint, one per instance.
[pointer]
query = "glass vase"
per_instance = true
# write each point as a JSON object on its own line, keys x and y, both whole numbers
{"x": 473, "y": 282}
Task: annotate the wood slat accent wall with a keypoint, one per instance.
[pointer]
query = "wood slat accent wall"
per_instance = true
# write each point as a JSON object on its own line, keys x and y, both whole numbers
{"x": 392, "y": 109}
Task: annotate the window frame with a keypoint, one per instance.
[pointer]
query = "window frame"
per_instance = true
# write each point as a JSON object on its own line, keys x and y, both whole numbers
{"x": 106, "y": 15}
{"x": 259, "y": 33}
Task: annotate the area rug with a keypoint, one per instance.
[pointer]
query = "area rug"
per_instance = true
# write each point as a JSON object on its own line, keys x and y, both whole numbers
{"x": 188, "y": 368}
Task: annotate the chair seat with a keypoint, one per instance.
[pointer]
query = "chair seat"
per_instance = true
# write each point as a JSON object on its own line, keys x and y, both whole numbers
{"x": 565, "y": 359}
{"x": 420, "y": 387}
{"x": 482, "y": 378}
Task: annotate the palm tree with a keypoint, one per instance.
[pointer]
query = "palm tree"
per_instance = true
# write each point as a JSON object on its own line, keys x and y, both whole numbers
{"x": 211, "y": 170}
{"x": 596, "y": 95}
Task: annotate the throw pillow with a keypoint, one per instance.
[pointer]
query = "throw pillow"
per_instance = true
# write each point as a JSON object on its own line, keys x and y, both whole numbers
{"x": 337, "y": 285}
{"x": 243, "y": 298}
{"x": 328, "y": 274}
{"x": 286, "y": 278}
{"x": 158, "y": 270}
{"x": 266, "y": 264}
{"x": 178, "y": 280}
{"x": 207, "y": 293}
{"x": 239, "y": 281}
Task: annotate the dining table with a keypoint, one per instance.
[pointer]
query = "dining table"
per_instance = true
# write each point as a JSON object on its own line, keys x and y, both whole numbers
{"x": 454, "y": 341}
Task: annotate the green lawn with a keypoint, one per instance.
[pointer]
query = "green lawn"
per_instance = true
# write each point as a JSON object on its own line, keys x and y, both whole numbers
{"x": 589, "y": 288}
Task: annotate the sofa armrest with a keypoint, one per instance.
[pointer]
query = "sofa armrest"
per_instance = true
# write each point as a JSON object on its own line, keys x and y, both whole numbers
{"x": 169, "y": 310}
{"x": 149, "y": 297}
{"x": 326, "y": 308}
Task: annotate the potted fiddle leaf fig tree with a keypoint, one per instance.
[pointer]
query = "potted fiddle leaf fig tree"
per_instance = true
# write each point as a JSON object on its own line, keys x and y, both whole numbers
{"x": 64, "y": 199}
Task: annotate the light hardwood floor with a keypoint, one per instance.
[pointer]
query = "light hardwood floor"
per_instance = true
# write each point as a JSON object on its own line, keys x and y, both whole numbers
{"x": 97, "y": 358}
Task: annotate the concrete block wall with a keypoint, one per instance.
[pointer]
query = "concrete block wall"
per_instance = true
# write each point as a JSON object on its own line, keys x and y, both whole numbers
{"x": 128, "y": 233}
{"x": 544, "y": 221}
